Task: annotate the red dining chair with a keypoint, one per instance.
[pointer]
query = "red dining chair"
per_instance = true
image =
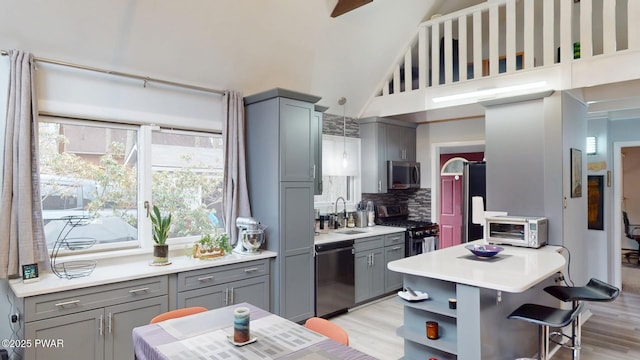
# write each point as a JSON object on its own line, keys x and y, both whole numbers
{"x": 178, "y": 313}
{"x": 328, "y": 329}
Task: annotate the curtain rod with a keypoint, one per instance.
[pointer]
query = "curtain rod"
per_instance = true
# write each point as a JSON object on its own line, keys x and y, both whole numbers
{"x": 145, "y": 79}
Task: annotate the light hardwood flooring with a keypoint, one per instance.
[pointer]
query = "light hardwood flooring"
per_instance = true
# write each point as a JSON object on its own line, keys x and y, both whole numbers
{"x": 372, "y": 328}
{"x": 611, "y": 333}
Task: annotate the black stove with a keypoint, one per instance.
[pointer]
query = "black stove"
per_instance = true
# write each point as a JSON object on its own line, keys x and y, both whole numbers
{"x": 418, "y": 233}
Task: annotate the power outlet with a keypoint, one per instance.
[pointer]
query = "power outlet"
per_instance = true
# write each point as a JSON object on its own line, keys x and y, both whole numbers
{"x": 15, "y": 318}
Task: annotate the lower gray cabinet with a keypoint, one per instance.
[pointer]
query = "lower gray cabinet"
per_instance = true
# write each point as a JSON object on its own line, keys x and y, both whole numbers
{"x": 92, "y": 323}
{"x": 369, "y": 268}
{"x": 79, "y": 333}
{"x": 394, "y": 249}
{"x": 254, "y": 291}
{"x": 225, "y": 285}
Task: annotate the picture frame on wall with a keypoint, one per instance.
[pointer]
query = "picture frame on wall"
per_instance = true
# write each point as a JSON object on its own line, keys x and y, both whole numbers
{"x": 595, "y": 200}
{"x": 576, "y": 173}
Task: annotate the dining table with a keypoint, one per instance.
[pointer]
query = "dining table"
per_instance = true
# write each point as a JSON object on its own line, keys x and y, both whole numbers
{"x": 209, "y": 335}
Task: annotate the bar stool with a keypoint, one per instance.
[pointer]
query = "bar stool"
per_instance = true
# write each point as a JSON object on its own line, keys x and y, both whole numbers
{"x": 545, "y": 317}
{"x": 595, "y": 290}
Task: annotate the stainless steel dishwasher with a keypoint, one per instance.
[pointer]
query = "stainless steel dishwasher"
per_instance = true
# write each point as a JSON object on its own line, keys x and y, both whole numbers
{"x": 335, "y": 291}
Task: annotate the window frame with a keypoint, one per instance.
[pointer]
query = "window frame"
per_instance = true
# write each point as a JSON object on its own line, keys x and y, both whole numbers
{"x": 144, "y": 183}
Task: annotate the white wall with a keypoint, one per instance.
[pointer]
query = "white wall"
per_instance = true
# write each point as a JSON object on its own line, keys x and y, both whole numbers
{"x": 444, "y": 132}
{"x": 599, "y": 239}
{"x": 574, "y": 134}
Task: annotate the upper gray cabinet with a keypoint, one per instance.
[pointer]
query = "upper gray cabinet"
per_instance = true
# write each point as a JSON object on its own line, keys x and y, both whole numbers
{"x": 384, "y": 140}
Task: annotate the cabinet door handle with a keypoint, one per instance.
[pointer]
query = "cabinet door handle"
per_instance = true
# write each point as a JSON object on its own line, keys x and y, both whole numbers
{"x": 373, "y": 259}
{"x": 101, "y": 325}
{"x": 231, "y": 293}
{"x": 67, "y": 303}
{"x": 249, "y": 270}
{"x": 396, "y": 248}
{"x": 134, "y": 291}
{"x": 205, "y": 278}
{"x": 226, "y": 296}
{"x": 313, "y": 171}
{"x": 379, "y": 185}
{"x": 110, "y": 320}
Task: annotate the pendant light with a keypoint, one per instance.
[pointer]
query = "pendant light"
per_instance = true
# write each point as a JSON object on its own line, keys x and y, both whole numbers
{"x": 342, "y": 101}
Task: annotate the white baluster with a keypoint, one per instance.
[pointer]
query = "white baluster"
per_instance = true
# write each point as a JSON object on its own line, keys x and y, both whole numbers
{"x": 422, "y": 58}
{"x": 462, "y": 47}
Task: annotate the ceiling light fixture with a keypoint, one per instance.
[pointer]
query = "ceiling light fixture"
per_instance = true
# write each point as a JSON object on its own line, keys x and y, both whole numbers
{"x": 342, "y": 101}
{"x": 488, "y": 93}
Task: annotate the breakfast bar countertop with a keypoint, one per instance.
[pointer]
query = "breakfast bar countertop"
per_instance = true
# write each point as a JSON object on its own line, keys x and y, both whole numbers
{"x": 513, "y": 270}
{"x": 113, "y": 270}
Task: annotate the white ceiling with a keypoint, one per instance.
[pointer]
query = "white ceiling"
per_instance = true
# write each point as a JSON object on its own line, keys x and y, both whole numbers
{"x": 246, "y": 45}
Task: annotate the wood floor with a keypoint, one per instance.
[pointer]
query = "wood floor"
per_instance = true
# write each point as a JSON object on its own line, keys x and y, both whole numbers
{"x": 611, "y": 333}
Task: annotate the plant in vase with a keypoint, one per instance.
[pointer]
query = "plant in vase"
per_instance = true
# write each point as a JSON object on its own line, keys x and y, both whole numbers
{"x": 210, "y": 246}
{"x": 160, "y": 226}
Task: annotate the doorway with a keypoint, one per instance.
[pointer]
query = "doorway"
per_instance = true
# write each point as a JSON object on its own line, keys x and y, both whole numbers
{"x": 451, "y": 196}
{"x": 620, "y": 204}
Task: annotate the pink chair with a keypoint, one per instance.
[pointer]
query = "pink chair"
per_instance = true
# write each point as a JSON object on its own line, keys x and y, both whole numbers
{"x": 178, "y": 313}
{"x": 328, "y": 329}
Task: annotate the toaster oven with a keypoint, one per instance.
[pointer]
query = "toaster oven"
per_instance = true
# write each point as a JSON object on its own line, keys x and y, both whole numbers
{"x": 517, "y": 230}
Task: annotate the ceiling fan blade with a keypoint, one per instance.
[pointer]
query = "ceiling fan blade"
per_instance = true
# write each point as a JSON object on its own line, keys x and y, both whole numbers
{"x": 344, "y": 6}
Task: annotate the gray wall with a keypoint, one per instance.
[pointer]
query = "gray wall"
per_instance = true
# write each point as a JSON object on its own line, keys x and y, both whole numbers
{"x": 514, "y": 154}
{"x": 574, "y": 135}
{"x": 528, "y": 168}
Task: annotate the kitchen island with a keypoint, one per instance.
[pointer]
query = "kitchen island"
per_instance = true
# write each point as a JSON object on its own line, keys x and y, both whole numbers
{"x": 486, "y": 290}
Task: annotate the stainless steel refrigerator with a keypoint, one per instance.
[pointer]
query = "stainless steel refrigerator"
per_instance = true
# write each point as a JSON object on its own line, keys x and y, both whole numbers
{"x": 474, "y": 184}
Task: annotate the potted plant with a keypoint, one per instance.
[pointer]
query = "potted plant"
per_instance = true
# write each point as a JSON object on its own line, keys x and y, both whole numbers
{"x": 160, "y": 226}
{"x": 210, "y": 246}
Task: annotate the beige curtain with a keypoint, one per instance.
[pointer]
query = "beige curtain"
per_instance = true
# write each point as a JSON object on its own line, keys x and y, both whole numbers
{"x": 22, "y": 239}
{"x": 235, "y": 196}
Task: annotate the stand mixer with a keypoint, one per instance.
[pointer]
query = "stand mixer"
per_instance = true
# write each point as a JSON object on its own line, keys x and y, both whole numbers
{"x": 250, "y": 236}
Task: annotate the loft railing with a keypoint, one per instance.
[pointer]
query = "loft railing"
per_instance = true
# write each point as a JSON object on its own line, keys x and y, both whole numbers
{"x": 503, "y": 37}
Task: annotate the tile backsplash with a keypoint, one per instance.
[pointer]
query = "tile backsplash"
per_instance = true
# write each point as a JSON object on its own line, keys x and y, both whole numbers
{"x": 417, "y": 201}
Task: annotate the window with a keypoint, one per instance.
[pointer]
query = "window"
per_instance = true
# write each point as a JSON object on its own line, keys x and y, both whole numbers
{"x": 337, "y": 180}
{"x": 107, "y": 171}
{"x": 187, "y": 175}
{"x": 453, "y": 166}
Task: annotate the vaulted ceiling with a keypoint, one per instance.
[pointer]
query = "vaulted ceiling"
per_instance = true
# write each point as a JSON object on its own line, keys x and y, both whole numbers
{"x": 246, "y": 45}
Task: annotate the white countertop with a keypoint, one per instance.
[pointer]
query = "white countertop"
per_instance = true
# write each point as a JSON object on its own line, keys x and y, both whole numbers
{"x": 517, "y": 269}
{"x": 338, "y": 235}
{"x": 126, "y": 268}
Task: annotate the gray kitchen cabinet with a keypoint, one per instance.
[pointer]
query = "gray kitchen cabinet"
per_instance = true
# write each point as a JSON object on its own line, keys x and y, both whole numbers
{"x": 383, "y": 140}
{"x": 369, "y": 268}
{"x": 393, "y": 250}
{"x": 94, "y": 322}
{"x": 316, "y": 138}
{"x": 281, "y": 130}
{"x": 401, "y": 143}
{"x": 225, "y": 285}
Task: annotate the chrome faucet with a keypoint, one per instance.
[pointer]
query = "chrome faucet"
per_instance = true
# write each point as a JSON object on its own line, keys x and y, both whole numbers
{"x": 344, "y": 211}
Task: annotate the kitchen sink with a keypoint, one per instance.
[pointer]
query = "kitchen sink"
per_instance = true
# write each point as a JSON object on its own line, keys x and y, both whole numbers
{"x": 351, "y": 232}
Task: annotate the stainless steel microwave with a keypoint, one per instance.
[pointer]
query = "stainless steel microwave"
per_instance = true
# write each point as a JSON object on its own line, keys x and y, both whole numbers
{"x": 403, "y": 174}
{"x": 517, "y": 230}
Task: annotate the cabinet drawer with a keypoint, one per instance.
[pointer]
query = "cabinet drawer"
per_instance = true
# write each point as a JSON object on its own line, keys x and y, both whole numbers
{"x": 73, "y": 301}
{"x": 214, "y": 276}
{"x": 369, "y": 243}
{"x": 394, "y": 239}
